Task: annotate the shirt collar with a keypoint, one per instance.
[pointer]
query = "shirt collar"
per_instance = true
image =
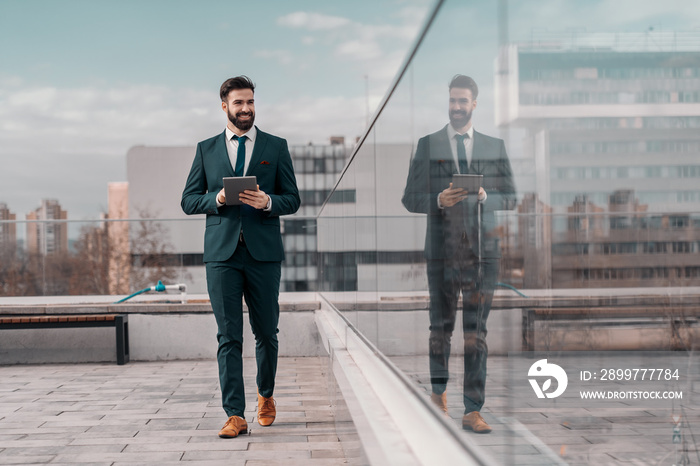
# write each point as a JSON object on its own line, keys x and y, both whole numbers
{"x": 251, "y": 134}
{"x": 451, "y": 132}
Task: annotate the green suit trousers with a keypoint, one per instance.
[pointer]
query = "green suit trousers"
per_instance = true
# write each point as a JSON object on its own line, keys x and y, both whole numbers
{"x": 243, "y": 277}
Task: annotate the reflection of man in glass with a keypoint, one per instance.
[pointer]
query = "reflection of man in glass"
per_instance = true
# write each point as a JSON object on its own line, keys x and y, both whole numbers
{"x": 461, "y": 246}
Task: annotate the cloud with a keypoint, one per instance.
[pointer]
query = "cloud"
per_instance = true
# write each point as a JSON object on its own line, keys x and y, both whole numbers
{"x": 412, "y": 14}
{"x": 365, "y": 50}
{"x": 360, "y": 49}
{"x": 354, "y": 40}
{"x": 302, "y": 119}
{"x": 10, "y": 81}
{"x": 613, "y": 13}
{"x": 91, "y": 120}
{"x": 281, "y": 56}
{"x": 68, "y": 143}
{"x": 571, "y": 17}
{"x": 312, "y": 21}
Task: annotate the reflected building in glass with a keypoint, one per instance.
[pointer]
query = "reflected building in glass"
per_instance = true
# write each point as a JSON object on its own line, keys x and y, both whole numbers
{"x": 612, "y": 124}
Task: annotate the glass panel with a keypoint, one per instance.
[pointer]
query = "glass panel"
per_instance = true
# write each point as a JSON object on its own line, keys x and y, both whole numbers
{"x": 588, "y": 237}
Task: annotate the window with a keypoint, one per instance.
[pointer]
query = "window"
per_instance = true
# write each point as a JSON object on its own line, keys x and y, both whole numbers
{"x": 676, "y": 221}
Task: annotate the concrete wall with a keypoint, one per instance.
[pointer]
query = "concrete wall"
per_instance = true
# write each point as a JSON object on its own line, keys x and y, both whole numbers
{"x": 170, "y": 336}
{"x": 153, "y": 337}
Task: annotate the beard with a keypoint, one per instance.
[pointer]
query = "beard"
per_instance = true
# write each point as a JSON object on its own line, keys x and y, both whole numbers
{"x": 459, "y": 118}
{"x": 244, "y": 125}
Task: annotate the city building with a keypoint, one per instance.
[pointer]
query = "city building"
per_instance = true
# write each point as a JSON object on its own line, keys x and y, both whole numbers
{"x": 376, "y": 243}
{"x": 611, "y": 125}
{"x": 606, "y": 117}
{"x": 316, "y": 167}
{"x": 46, "y": 234}
{"x": 119, "y": 267}
{"x": 8, "y": 231}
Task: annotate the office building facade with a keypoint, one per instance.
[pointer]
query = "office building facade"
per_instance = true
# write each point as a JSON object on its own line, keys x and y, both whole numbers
{"x": 611, "y": 127}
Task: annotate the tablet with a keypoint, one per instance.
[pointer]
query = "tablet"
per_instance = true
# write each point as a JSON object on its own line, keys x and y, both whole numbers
{"x": 470, "y": 183}
{"x": 235, "y": 185}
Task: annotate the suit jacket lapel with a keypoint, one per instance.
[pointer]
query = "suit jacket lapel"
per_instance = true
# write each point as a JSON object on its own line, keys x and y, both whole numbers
{"x": 480, "y": 153}
{"x": 441, "y": 151}
{"x": 258, "y": 150}
{"x": 221, "y": 155}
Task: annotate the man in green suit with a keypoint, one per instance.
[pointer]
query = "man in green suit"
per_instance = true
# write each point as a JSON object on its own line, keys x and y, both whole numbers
{"x": 243, "y": 248}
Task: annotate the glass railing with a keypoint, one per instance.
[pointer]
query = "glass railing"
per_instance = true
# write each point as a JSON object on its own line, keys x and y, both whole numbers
{"x": 589, "y": 235}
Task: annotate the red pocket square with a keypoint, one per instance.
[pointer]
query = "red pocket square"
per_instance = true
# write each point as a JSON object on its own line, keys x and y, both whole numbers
{"x": 264, "y": 162}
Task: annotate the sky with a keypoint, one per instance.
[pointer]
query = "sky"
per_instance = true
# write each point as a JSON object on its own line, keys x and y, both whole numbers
{"x": 82, "y": 81}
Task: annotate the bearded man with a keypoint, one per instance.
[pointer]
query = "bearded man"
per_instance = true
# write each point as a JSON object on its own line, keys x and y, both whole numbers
{"x": 243, "y": 248}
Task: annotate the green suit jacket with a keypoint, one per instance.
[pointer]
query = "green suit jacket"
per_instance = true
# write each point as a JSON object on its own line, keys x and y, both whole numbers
{"x": 431, "y": 171}
{"x": 272, "y": 165}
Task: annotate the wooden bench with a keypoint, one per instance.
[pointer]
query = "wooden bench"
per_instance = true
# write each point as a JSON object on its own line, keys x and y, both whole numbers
{"x": 119, "y": 321}
{"x": 660, "y": 316}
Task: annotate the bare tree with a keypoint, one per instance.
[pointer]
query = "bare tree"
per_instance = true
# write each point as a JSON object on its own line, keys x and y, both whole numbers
{"x": 16, "y": 275}
{"x": 113, "y": 258}
{"x": 152, "y": 253}
{"x": 91, "y": 262}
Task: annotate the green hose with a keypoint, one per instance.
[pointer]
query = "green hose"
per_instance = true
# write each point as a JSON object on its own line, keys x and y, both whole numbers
{"x": 159, "y": 288}
{"x": 133, "y": 294}
{"x": 505, "y": 285}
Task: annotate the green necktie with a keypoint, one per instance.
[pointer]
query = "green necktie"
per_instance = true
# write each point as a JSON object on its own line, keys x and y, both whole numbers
{"x": 240, "y": 155}
{"x": 462, "y": 153}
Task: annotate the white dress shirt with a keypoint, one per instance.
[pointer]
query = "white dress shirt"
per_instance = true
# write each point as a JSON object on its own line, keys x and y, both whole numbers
{"x": 468, "y": 144}
{"x": 232, "y": 146}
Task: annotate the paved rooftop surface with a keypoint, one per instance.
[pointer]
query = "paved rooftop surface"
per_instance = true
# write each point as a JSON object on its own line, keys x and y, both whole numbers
{"x": 169, "y": 412}
{"x": 166, "y": 413}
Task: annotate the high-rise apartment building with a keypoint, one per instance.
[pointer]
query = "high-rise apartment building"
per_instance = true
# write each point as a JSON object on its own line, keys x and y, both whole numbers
{"x": 8, "y": 231}
{"x": 611, "y": 125}
{"x": 46, "y": 235}
{"x": 119, "y": 268}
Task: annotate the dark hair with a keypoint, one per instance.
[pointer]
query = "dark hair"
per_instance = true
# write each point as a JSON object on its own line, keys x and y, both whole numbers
{"x": 465, "y": 82}
{"x": 239, "y": 82}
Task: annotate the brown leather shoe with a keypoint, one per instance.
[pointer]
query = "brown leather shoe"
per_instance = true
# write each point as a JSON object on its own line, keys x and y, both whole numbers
{"x": 266, "y": 410}
{"x": 234, "y": 426}
{"x": 474, "y": 421}
{"x": 440, "y": 401}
